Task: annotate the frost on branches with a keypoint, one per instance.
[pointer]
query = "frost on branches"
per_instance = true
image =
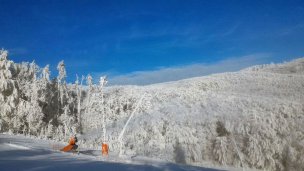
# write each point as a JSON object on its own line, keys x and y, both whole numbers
{"x": 250, "y": 119}
{"x": 9, "y": 93}
{"x": 34, "y": 105}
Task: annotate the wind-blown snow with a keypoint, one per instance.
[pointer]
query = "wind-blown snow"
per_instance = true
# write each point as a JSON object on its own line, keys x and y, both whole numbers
{"x": 17, "y": 146}
{"x": 247, "y": 119}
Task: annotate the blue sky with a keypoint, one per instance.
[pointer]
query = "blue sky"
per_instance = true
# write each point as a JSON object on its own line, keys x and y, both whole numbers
{"x": 143, "y": 42}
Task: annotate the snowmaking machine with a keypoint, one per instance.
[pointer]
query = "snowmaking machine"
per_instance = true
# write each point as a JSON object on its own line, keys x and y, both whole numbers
{"x": 72, "y": 145}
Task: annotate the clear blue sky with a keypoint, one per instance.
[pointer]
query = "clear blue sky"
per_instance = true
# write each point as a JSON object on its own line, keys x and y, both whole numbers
{"x": 123, "y": 37}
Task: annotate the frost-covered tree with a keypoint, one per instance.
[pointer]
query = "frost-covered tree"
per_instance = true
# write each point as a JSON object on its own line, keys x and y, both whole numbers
{"x": 90, "y": 81}
{"x": 36, "y": 105}
{"x": 90, "y": 90}
{"x": 46, "y": 73}
{"x": 103, "y": 81}
{"x": 61, "y": 72}
{"x": 30, "y": 104}
{"x": 78, "y": 89}
{"x": 61, "y": 80}
{"x": 79, "y": 103}
{"x": 35, "y": 114}
{"x": 9, "y": 96}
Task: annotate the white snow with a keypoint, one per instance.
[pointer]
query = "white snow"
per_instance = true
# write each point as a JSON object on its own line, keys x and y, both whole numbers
{"x": 247, "y": 119}
{"x": 17, "y": 146}
{"x": 37, "y": 154}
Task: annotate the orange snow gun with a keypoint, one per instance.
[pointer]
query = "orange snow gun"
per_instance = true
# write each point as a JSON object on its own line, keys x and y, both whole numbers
{"x": 72, "y": 144}
{"x": 105, "y": 149}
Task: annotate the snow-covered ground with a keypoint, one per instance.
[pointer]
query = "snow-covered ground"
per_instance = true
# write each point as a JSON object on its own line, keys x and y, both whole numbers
{"x": 23, "y": 153}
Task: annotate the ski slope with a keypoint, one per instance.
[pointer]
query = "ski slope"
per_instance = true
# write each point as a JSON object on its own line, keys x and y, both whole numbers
{"x": 23, "y": 153}
{"x": 247, "y": 119}
{"x": 250, "y": 119}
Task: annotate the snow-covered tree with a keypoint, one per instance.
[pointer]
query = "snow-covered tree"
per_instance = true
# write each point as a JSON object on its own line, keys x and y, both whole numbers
{"x": 90, "y": 90}
{"x": 9, "y": 96}
{"x": 78, "y": 89}
{"x": 61, "y": 80}
{"x": 35, "y": 114}
{"x": 103, "y": 81}
{"x": 61, "y": 72}
{"x": 46, "y": 73}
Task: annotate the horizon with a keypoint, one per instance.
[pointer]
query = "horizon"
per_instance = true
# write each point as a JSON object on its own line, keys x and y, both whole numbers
{"x": 140, "y": 76}
{"x": 141, "y": 43}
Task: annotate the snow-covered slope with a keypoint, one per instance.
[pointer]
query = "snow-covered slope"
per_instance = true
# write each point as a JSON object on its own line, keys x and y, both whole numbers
{"x": 294, "y": 67}
{"x": 247, "y": 119}
{"x": 22, "y": 153}
{"x": 251, "y": 119}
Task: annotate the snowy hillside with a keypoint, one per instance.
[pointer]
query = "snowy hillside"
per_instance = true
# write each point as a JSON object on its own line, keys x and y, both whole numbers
{"x": 250, "y": 119}
{"x": 293, "y": 67}
{"x": 247, "y": 119}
